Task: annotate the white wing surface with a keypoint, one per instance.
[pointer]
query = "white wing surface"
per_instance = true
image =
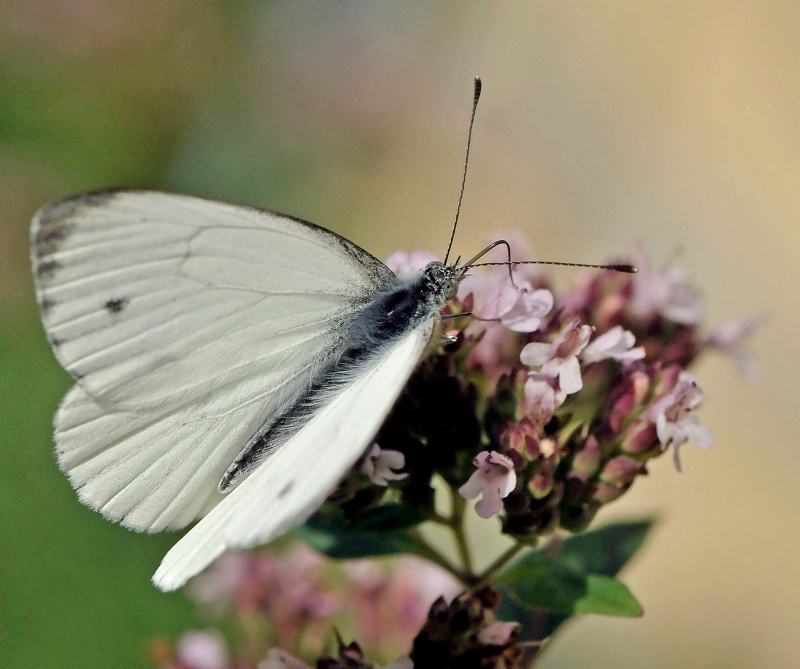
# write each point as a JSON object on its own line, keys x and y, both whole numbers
{"x": 292, "y": 483}
{"x": 188, "y": 324}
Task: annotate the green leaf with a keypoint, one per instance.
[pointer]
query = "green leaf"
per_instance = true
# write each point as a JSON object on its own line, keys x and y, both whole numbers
{"x": 540, "y": 582}
{"x": 547, "y": 584}
{"x": 608, "y": 596}
{"x": 607, "y": 549}
{"x": 394, "y": 516}
{"x": 544, "y": 591}
{"x": 335, "y": 540}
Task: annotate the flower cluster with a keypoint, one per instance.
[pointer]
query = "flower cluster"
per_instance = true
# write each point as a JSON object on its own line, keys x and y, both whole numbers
{"x": 554, "y": 403}
{"x": 284, "y": 603}
{"x": 543, "y": 406}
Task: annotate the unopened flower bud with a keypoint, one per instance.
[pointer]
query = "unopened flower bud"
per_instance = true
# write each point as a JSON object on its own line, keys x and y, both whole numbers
{"x": 621, "y": 471}
{"x": 640, "y": 437}
{"x": 587, "y": 460}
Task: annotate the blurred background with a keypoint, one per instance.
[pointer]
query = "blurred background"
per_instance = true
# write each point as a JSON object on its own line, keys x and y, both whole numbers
{"x": 603, "y": 124}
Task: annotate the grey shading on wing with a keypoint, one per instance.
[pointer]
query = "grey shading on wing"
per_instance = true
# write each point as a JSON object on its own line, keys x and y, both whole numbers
{"x": 188, "y": 324}
{"x": 287, "y": 489}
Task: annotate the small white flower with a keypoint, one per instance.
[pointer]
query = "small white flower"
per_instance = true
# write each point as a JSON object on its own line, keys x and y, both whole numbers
{"x": 498, "y": 633}
{"x": 494, "y": 479}
{"x": 666, "y": 292}
{"x": 616, "y": 343}
{"x": 560, "y": 358}
{"x": 541, "y": 399}
{"x": 674, "y": 422}
{"x": 729, "y": 338}
{"x": 529, "y": 308}
{"x": 380, "y": 465}
{"x": 203, "y": 650}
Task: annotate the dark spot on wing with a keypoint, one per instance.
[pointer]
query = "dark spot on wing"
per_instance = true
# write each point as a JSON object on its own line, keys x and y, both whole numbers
{"x": 46, "y": 304}
{"x": 285, "y": 490}
{"x": 55, "y": 343}
{"x": 46, "y": 269}
{"x": 117, "y": 305}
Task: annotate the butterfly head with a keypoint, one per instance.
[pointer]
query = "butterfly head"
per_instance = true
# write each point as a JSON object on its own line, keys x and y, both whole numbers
{"x": 442, "y": 280}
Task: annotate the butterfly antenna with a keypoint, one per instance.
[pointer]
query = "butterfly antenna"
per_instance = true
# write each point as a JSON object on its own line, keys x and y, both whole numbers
{"x": 476, "y": 96}
{"x": 614, "y": 267}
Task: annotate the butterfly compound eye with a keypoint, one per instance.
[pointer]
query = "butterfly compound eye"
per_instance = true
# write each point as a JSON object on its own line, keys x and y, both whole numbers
{"x": 450, "y": 289}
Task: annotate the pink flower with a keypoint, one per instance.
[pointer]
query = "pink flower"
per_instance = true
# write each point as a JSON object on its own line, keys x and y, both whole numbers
{"x": 616, "y": 343}
{"x": 202, "y": 650}
{"x": 497, "y": 351}
{"x": 529, "y": 308}
{"x": 495, "y": 479}
{"x": 380, "y": 465}
{"x": 518, "y": 306}
{"x": 498, "y": 633}
{"x": 403, "y": 263}
{"x": 674, "y": 423}
{"x": 559, "y": 359}
{"x": 729, "y": 338}
{"x": 666, "y": 292}
{"x": 288, "y": 589}
{"x": 391, "y": 603}
{"x": 540, "y": 399}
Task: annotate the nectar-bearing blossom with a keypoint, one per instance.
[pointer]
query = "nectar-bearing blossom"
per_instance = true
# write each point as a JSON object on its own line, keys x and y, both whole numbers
{"x": 202, "y": 650}
{"x": 616, "y": 343}
{"x": 675, "y": 423}
{"x": 729, "y": 338}
{"x": 494, "y": 479}
{"x": 529, "y": 308}
{"x": 666, "y": 292}
{"x": 382, "y": 465}
{"x": 559, "y": 359}
{"x": 513, "y": 302}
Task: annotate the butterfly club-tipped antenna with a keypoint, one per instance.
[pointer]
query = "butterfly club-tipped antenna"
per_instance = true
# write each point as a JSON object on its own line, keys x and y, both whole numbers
{"x": 615, "y": 267}
{"x": 476, "y": 96}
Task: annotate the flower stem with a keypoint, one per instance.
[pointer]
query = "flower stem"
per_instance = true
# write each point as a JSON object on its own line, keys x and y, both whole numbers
{"x": 457, "y": 524}
{"x": 491, "y": 571}
{"x": 430, "y": 553}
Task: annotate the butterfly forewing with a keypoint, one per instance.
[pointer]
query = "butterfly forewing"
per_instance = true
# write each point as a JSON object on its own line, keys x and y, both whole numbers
{"x": 149, "y": 297}
{"x": 188, "y": 324}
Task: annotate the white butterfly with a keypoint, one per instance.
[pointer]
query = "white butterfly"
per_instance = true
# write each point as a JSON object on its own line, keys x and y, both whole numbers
{"x": 231, "y": 363}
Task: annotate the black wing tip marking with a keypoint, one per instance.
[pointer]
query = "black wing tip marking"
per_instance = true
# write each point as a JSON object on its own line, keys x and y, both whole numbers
{"x": 55, "y": 214}
{"x": 53, "y": 223}
{"x": 45, "y": 270}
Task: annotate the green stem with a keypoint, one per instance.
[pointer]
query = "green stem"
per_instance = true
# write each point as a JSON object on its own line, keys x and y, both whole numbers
{"x": 439, "y": 519}
{"x": 491, "y": 571}
{"x": 457, "y": 524}
{"x": 430, "y": 553}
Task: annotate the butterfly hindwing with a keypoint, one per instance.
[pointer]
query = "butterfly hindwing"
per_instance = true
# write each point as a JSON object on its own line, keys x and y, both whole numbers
{"x": 288, "y": 487}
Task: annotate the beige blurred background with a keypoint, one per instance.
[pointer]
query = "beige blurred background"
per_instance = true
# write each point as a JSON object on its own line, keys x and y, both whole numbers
{"x": 603, "y": 124}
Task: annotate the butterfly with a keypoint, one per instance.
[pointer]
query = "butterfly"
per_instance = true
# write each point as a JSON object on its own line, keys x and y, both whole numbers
{"x": 231, "y": 364}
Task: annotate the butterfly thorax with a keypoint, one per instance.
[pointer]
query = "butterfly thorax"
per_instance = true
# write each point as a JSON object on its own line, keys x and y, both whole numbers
{"x": 404, "y": 304}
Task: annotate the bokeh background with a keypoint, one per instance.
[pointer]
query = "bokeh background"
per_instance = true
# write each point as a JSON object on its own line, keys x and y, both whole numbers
{"x": 603, "y": 124}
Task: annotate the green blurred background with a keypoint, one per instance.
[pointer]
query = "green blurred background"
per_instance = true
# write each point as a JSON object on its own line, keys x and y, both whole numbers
{"x": 603, "y": 123}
